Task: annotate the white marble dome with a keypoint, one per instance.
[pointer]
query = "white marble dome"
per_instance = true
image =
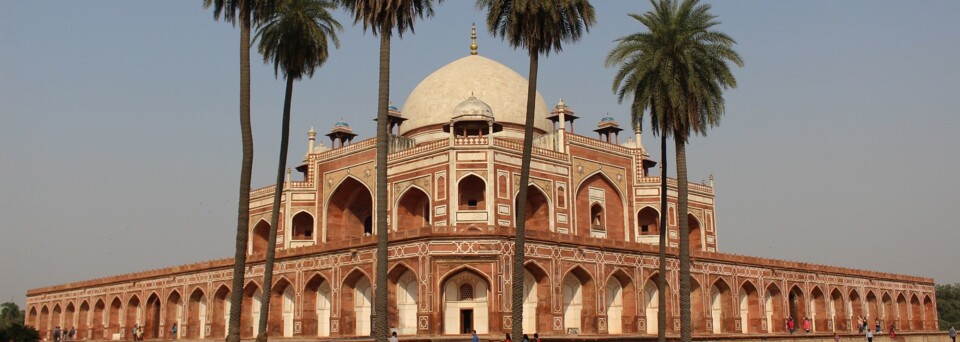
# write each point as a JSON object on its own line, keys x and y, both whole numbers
{"x": 435, "y": 99}
{"x": 473, "y": 106}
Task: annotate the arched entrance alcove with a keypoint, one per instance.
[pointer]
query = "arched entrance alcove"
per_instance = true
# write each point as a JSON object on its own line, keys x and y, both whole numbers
{"x": 696, "y": 235}
{"x": 873, "y": 309}
{"x": 798, "y": 306}
{"x": 818, "y": 310}
{"x": 114, "y": 319}
{"x": 83, "y": 317}
{"x": 413, "y": 209}
{"x": 221, "y": 312}
{"x": 317, "y": 302}
{"x": 280, "y": 320}
{"x": 579, "y": 293}
{"x": 916, "y": 312}
{"x": 356, "y": 301}
{"x": 837, "y": 312}
{"x": 472, "y": 191}
{"x": 98, "y": 320}
{"x": 536, "y": 298}
{"x": 930, "y": 314}
{"x": 133, "y": 315}
{"x": 855, "y": 308}
{"x": 260, "y": 237}
{"x": 250, "y": 319}
{"x": 151, "y": 319}
{"x": 302, "y": 226}
{"x": 599, "y": 209}
{"x": 620, "y": 303}
{"x": 56, "y": 318}
{"x": 902, "y": 320}
{"x": 196, "y": 315}
{"x": 32, "y": 318}
{"x": 465, "y": 303}
{"x": 773, "y": 309}
{"x": 173, "y": 313}
{"x": 721, "y": 311}
{"x": 69, "y": 315}
{"x": 887, "y": 312}
{"x": 651, "y": 302}
{"x": 750, "y": 316}
{"x": 349, "y": 211}
{"x": 402, "y": 294}
{"x": 537, "y": 216}
{"x": 697, "y": 310}
{"x": 44, "y": 325}
{"x": 648, "y": 223}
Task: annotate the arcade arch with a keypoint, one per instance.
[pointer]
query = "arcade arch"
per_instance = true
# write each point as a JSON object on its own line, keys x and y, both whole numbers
{"x": 600, "y": 209}
{"x": 695, "y": 234}
{"x": 837, "y": 312}
{"x": 855, "y": 307}
{"x": 196, "y": 315}
{"x": 413, "y": 209}
{"x": 697, "y": 306}
{"x": 98, "y": 320}
{"x": 465, "y": 303}
{"x": 133, "y": 315}
{"x": 356, "y": 301}
{"x": 260, "y": 237}
{"x": 648, "y": 223}
{"x": 887, "y": 312}
{"x": 472, "y": 191}
{"x": 44, "y": 324}
{"x": 282, "y": 295}
{"x": 797, "y": 306}
{"x": 902, "y": 316}
{"x": 537, "y": 216}
{"x": 721, "y": 311}
{"x": 251, "y": 304}
{"x": 114, "y": 319}
{"x": 916, "y": 312}
{"x": 221, "y": 312}
{"x": 750, "y": 311}
{"x": 82, "y": 318}
{"x": 403, "y": 293}
{"x": 773, "y": 309}
{"x": 651, "y": 302}
{"x": 349, "y": 211}
{"x": 56, "y": 318}
{"x": 302, "y": 226}
{"x": 620, "y": 302}
{"x": 317, "y": 301}
{"x": 69, "y": 316}
{"x": 929, "y": 314}
{"x": 818, "y": 310}
{"x": 873, "y": 308}
{"x": 579, "y": 297}
{"x": 151, "y": 318}
{"x": 174, "y": 312}
{"x": 536, "y": 298}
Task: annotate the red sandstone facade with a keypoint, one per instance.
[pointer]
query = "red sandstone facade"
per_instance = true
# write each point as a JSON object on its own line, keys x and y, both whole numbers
{"x": 591, "y": 258}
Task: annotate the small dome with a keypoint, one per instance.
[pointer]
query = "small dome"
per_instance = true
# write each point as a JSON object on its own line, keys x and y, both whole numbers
{"x": 472, "y": 106}
{"x": 608, "y": 118}
{"x": 392, "y": 107}
{"x": 341, "y": 123}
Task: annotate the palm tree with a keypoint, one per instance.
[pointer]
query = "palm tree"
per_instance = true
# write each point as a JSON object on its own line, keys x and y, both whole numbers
{"x": 246, "y": 12}
{"x": 382, "y": 17}
{"x": 679, "y": 70}
{"x": 540, "y": 27}
{"x": 293, "y": 38}
{"x": 10, "y": 315}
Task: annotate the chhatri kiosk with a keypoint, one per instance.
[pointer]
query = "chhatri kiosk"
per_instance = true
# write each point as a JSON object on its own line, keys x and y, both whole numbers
{"x": 454, "y": 164}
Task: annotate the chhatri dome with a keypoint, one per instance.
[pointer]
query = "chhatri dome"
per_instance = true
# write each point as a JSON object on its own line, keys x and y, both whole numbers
{"x": 434, "y": 101}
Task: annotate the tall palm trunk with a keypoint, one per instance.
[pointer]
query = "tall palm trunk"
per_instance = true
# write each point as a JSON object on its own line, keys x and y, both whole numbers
{"x": 246, "y": 168}
{"x": 686, "y": 332}
{"x": 520, "y": 241}
{"x": 275, "y": 215}
{"x": 662, "y": 276}
{"x": 380, "y": 298}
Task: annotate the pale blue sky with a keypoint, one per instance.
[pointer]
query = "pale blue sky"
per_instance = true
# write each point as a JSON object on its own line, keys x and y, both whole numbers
{"x": 119, "y": 139}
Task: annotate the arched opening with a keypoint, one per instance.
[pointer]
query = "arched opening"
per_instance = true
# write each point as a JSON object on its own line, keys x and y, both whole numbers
{"x": 174, "y": 314}
{"x": 697, "y": 310}
{"x": 930, "y": 314}
{"x": 620, "y": 303}
{"x": 356, "y": 301}
{"x": 648, "y": 223}
{"x": 872, "y": 313}
{"x": 316, "y": 307}
{"x": 750, "y": 317}
{"x": 441, "y": 187}
{"x": 302, "y": 226}
{"x": 260, "y": 237}
{"x": 537, "y": 216}
{"x": 44, "y": 325}
{"x": 221, "y": 312}
{"x": 916, "y": 312}
{"x": 402, "y": 296}
{"x": 196, "y": 316}
{"x": 887, "y": 312}
{"x": 32, "y": 318}
{"x": 465, "y": 304}
{"x": 579, "y": 301}
{"x": 902, "y": 321}
{"x": 151, "y": 321}
{"x": 413, "y": 210}
{"x": 837, "y": 312}
{"x": 599, "y": 209}
{"x": 536, "y": 299}
{"x": 250, "y": 307}
{"x": 280, "y": 321}
{"x": 56, "y": 318}
{"x": 97, "y": 320}
{"x": 349, "y": 211}
{"x": 696, "y": 241}
{"x": 114, "y": 320}
{"x": 472, "y": 193}
{"x": 818, "y": 310}
{"x": 502, "y": 186}
{"x": 773, "y": 309}
{"x": 855, "y": 308}
{"x": 561, "y": 197}
{"x": 651, "y": 301}
{"x": 133, "y": 315}
{"x": 82, "y": 318}
{"x": 721, "y": 310}
{"x": 798, "y": 306}
{"x": 68, "y": 317}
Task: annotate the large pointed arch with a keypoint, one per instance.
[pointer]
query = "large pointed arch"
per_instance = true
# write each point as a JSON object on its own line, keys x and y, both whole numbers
{"x": 173, "y": 312}
{"x": 929, "y": 314}
{"x": 302, "y": 226}
{"x": 317, "y": 304}
{"x": 537, "y": 295}
{"x": 695, "y": 233}
{"x": 260, "y": 237}
{"x": 539, "y": 209}
{"x": 349, "y": 211}
{"x": 651, "y": 303}
{"x": 115, "y": 312}
{"x": 621, "y": 302}
{"x": 465, "y": 288}
{"x": 749, "y": 303}
{"x": 69, "y": 315}
{"x": 412, "y": 209}
{"x": 32, "y": 317}
{"x": 83, "y": 318}
{"x": 598, "y": 189}
{"x": 44, "y": 324}
{"x": 774, "y": 308}
{"x": 648, "y": 225}
{"x": 579, "y": 300}
{"x": 818, "y": 309}
{"x": 250, "y": 307}
{"x": 151, "y": 317}
{"x": 797, "y": 305}
{"x": 282, "y": 300}
{"x": 403, "y": 293}
{"x": 838, "y": 311}
{"x": 356, "y": 303}
{"x": 134, "y": 313}
{"x": 855, "y": 308}
{"x": 902, "y": 312}
{"x": 872, "y": 313}
{"x": 196, "y": 315}
{"x": 916, "y": 312}
{"x": 221, "y": 312}
{"x": 721, "y": 306}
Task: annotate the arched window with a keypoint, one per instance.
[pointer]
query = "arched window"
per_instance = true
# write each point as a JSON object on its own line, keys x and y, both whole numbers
{"x": 441, "y": 187}
{"x": 302, "y": 226}
{"x": 648, "y": 221}
{"x": 472, "y": 194}
{"x": 596, "y": 217}
{"x": 502, "y": 186}
{"x": 561, "y": 197}
{"x": 368, "y": 226}
{"x": 466, "y": 292}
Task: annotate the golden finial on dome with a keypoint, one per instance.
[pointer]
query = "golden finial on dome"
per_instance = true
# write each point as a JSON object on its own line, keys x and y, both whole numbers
{"x": 473, "y": 39}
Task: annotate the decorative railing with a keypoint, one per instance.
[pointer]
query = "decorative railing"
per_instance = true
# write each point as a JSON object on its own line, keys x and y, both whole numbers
{"x": 397, "y": 143}
{"x": 470, "y": 141}
{"x": 672, "y": 182}
{"x": 547, "y": 141}
{"x": 349, "y": 149}
{"x": 419, "y": 149}
{"x": 518, "y": 146}
{"x": 598, "y": 144}
{"x": 267, "y": 190}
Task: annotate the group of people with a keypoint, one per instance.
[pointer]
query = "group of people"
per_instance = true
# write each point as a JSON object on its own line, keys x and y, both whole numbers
{"x": 526, "y": 338}
{"x": 137, "y": 332}
{"x": 64, "y": 335}
{"x": 792, "y": 325}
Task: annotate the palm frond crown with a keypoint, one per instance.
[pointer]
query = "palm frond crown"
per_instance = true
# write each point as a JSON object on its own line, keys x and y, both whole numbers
{"x": 538, "y": 26}
{"x": 295, "y": 37}
{"x": 380, "y": 16}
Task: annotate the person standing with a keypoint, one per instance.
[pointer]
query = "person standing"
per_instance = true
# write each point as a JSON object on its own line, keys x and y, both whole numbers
{"x": 73, "y": 332}
{"x": 806, "y": 324}
{"x": 869, "y": 336}
{"x": 953, "y": 333}
{"x": 525, "y": 338}
{"x": 56, "y": 334}
{"x": 475, "y": 337}
{"x": 791, "y": 325}
{"x": 507, "y": 339}
{"x": 133, "y": 333}
{"x": 836, "y": 337}
{"x": 536, "y": 337}
{"x": 877, "y": 320}
{"x": 173, "y": 331}
{"x": 393, "y": 337}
